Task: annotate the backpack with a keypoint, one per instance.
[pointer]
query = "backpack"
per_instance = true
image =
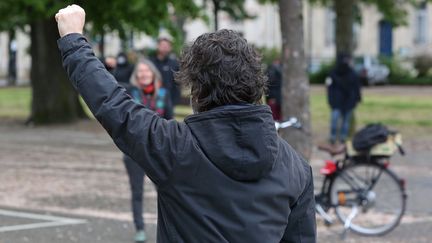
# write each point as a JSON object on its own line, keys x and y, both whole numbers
{"x": 369, "y": 136}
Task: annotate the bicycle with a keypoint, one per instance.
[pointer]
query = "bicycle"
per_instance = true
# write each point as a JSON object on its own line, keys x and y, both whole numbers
{"x": 368, "y": 198}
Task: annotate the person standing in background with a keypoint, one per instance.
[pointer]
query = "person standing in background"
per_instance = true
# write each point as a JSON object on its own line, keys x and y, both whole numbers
{"x": 12, "y": 67}
{"x": 145, "y": 88}
{"x": 110, "y": 63}
{"x": 123, "y": 70}
{"x": 343, "y": 92}
{"x": 274, "y": 95}
{"x": 167, "y": 66}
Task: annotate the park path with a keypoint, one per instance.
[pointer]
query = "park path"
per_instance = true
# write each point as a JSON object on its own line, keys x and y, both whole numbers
{"x": 75, "y": 171}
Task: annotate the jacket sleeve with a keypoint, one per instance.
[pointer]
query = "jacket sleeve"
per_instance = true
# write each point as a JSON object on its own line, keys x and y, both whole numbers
{"x": 152, "y": 141}
{"x": 169, "y": 109}
{"x": 301, "y": 222}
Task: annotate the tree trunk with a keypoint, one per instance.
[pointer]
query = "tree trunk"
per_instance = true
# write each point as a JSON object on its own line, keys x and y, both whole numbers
{"x": 12, "y": 49}
{"x": 345, "y": 43}
{"x": 215, "y": 14}
{"x": 180, "y": 22}
{"x": 345, "y": 17}
{"x": 54, "y": 100}
{"x": 295, "y": 85}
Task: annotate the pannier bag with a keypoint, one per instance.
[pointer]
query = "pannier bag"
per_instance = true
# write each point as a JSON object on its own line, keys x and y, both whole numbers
{"x": 370, "y": 136}
{"x": 379, "y": 144}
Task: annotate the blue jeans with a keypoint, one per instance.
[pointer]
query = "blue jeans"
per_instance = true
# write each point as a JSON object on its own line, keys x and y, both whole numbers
{"x": 136, "y": 180}
{"x": 337, "y": 115}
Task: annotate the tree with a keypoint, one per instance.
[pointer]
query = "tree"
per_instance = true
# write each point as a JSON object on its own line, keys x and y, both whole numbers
{"x": 53, "y": 99}
{"x": 12, "y": 70}
{"x": 234, "y": 8}
{"x": 345, "y": 17}
{"x": 295, "y": 84}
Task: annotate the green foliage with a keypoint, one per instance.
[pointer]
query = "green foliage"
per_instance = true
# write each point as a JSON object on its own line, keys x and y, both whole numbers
{"x": 398, "y": 73}
{"x": 121, "y": 16}
{"x": 268, "y": 1}
{"x": 411, "y": 81}
{"x": 269, "y": 54}
{"x": 320, "y": 76}
{"x": 423, "y": 65}
{"x": 402, "y": 75}
{"x": 234, "y": 8}
{"x": 102, "y": 16}
{"x": 393, "y": 11}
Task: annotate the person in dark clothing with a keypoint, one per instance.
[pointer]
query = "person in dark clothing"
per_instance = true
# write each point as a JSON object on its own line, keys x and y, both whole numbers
{"x": 12, "y": 67}
{"x": 343, "y": 92}
{"x": 274, "y": 95}
{"x": 123, "y": 70}
{"x": 222, "y": 175}
{"x": 167, "y": 66}
{"x": 110, "y": 63}
{"x": 146, "y": 88}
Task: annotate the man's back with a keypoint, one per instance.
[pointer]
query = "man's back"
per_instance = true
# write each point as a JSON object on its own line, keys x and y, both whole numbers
{"x": 236, "y": 181}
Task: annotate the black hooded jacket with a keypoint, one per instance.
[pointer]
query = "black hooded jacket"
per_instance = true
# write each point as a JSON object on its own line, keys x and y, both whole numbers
{"x": 344, "y": 90}
{"x": 222, "y": 176}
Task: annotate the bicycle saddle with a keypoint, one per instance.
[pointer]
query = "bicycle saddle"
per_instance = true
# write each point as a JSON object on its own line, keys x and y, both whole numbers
{"x": 332, "y": 149}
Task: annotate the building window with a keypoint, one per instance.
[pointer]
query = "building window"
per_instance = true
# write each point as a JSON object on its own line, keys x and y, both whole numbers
{"x": 330, "y": 27}
{"x": 421, "y": 24}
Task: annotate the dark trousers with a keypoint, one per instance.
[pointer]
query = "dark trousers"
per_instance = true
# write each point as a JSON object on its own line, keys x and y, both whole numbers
{"x": 136, "y": 181}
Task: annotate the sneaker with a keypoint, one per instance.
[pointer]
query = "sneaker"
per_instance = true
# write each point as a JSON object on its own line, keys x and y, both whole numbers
{"x": 140, "y": 236}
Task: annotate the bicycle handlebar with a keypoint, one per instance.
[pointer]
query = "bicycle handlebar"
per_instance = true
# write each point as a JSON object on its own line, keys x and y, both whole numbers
{"x": 291, "y": 122}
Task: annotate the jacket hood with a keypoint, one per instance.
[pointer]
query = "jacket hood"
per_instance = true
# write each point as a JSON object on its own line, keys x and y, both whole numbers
{"x": 240, "y": 140}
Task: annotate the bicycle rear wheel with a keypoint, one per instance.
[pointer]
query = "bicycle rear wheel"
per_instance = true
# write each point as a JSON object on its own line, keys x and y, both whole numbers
{"x": 375, "y": 191}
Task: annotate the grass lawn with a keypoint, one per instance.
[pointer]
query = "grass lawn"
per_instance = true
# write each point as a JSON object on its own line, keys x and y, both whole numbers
{"x": 406, "y": 111}
{"x": 15, "y": 102}
{"x": 409, "y": 113}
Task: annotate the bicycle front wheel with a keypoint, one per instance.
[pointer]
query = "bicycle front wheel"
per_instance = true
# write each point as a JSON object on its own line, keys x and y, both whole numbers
{"x": 374, "y": 192}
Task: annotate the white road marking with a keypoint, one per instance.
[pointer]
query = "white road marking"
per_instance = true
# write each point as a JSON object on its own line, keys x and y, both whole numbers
{"x": 53, "y": 221}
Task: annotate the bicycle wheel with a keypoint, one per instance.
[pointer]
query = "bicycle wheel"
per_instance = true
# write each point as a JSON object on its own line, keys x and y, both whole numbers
{"x": 374, "y": 192}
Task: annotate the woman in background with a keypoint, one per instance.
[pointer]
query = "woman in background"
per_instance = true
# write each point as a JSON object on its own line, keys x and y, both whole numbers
{"x": 146, "y": 88}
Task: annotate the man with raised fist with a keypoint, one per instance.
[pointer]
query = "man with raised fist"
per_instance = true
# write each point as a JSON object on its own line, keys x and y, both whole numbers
{"x": 222, "y": 175}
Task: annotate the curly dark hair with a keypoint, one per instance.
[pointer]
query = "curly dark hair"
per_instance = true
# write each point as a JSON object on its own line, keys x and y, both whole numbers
{"x": 221, "y": 68}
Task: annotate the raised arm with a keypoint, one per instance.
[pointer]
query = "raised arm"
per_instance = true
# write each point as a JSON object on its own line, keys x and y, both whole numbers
{"x": 152, "y": 141}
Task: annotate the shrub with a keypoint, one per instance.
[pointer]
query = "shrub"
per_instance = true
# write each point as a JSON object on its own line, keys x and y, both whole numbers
{"x": 269, "y": 55}
{"x": 398, "y": 72}
{"x": 401, "y": 74}
{"x": 423, "y": 64}
{"x": 320, "y": 76}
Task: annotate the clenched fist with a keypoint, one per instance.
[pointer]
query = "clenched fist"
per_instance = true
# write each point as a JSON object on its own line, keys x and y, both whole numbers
{"x": 70, "y": 20}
